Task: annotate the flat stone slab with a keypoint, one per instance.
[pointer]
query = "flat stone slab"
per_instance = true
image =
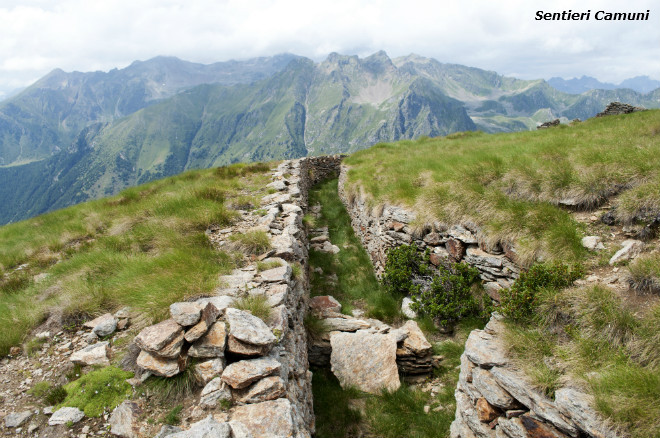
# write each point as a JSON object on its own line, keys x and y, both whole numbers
{"x": 185, "y": 313}
{"x": 268, "y": 388}
{"x": 248, "y": 329}
{"x": 212, "y": 344}
{"x": 160, "y": 366}
{"x": 66, "y": 415}
{"x": 241, "y": 374}
{"x": 157, "y": 336}
{"x": 365, "y": 360}
{"x": 94, "y": 354}
{"x": 485, "y": 349}
{"x": 325, "y": 303}
{"x": 206, "y": 371}
{"x": 415, "y": 342}
{"x": 124, "y": 420}
{"x": 16, "y": 419}
{"x": 206, "y": 428}
{"x": 345, "y": 324}
{"x": 281, "y": 274}
{"x": 207, "y": 317}
{"x": 269, "y": 419}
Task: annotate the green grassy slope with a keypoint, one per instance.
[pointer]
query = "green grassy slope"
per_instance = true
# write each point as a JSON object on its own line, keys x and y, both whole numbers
{"x": 512, "y": 185}
{"x": 144, "y": 248}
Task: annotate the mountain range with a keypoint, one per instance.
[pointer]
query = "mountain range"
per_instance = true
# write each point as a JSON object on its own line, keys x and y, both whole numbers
{"x": 76, "y": 136}
{"x": 641, "y": 84}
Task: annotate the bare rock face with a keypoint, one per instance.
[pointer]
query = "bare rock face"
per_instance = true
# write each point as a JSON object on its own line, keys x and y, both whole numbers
{"x": 269, "y": 419}
{"x": 492, "y": 391}
{"x": 248, "y": 329}
{"x": 212, "y": 344}
{"x": 485, "y": 411}
{"x": 95, "y": 354}
{"x": 579, "y": 406}
{"x": 186, "y": 314}
{"x": 365, "y": 360}
{"x": 124, "y": 420}
{"x": 207, "y": 317}
{"x": 280, "y": 274}
{"x": 241, "y": 374}
{"x": 160, "y": 366}
{"x": 268, "y": 388}
{"x": 154, "y": 338}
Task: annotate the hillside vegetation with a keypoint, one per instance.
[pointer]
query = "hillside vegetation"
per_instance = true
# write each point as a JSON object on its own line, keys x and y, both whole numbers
{"x": 144, "y": 248}
{"x": 518, "y": 188}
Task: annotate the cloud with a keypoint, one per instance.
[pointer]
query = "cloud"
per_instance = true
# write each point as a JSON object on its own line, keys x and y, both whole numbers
{"x": 40, "y": 35}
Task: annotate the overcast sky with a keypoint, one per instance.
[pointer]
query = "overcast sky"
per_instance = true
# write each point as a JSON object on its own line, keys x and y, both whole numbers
{"x": 37, "y": 36}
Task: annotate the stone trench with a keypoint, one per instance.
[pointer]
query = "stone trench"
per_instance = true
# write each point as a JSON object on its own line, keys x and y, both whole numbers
{"x": 258, "y": 371}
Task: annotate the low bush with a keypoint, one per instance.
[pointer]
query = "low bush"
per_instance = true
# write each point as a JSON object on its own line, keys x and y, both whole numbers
{"x": 520, "y": 302}
{"x": 444, "y": 293}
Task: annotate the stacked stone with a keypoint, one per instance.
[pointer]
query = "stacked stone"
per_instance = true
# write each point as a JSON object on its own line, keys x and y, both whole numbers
{"x": 96, "y": 353}
{"x": 496, "y": 400}
{"x": 411, "y": 352}
{"x": 616, "y": 108}
{"x": 549, "y": 124}
{"x": 390, "y": 226}
{"x": 259, "y": 367}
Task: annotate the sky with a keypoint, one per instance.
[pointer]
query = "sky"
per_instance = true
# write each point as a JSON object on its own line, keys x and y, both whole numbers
{"x": 37, "y": 36}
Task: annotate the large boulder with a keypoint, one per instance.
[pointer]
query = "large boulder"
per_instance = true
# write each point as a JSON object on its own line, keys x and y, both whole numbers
{"x": 365, "y": 360}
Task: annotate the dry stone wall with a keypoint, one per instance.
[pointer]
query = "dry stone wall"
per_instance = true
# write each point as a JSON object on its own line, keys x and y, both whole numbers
{"x": 494, "y": 399}
{"x": 260, "y": 367}
{"x": 384, "y": 227}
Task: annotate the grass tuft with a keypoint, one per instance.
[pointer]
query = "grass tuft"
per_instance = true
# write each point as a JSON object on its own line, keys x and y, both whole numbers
{"x": 257, "y": 305}
{"x": 251, "y": 242}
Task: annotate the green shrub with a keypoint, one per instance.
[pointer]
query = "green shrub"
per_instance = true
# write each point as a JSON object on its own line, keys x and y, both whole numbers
{"x": 403, "y": 263}
{"x": 56, "y": 394}
{"x": 449, "y": 298}
{"x": 520, "y": 302}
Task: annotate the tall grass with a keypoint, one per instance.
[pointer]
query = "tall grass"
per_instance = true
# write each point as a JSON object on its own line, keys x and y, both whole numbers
{"x": 143, "y": 248}
{"x": 511, "y": 185}
{"x": 593, "y": 336}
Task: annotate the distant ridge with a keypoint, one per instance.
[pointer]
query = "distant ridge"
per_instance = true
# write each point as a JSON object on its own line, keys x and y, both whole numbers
{"x": 640, "y": 84}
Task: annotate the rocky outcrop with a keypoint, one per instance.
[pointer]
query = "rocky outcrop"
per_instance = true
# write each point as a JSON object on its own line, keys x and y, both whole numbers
{"x": 390, "y": 226}
{"x": 494, "y": 399}
{"x": 616, "y": 108}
